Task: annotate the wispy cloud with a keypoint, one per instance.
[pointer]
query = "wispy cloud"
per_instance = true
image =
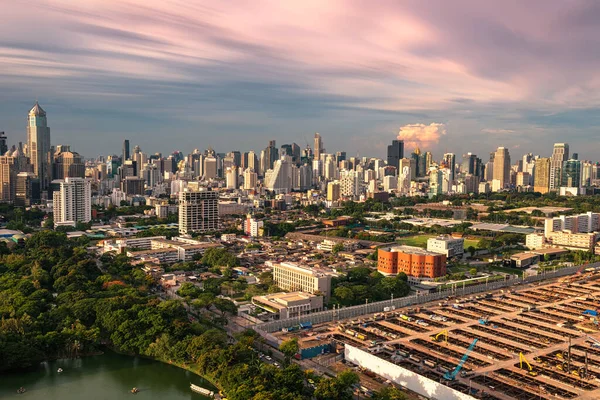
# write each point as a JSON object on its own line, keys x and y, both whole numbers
{"x": 274, "y": 64}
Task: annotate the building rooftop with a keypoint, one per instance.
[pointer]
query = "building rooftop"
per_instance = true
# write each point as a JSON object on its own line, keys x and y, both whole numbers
{"x": 409, "y": 250}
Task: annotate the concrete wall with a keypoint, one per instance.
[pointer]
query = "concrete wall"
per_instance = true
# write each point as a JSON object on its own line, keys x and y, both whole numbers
{"x": 402, "y": 376}
{"x": 355, "y": 311}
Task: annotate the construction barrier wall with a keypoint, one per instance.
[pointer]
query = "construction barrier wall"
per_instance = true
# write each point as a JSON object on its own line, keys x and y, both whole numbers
{"x": 364, "y": 309}
{"x": 402, "y": 376}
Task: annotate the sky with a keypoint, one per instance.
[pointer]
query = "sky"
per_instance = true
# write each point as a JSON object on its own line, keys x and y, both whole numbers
{"x": 447, "y": 76}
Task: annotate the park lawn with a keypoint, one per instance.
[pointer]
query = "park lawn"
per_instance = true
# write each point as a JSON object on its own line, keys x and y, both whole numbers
{"x": 421, "y": 241}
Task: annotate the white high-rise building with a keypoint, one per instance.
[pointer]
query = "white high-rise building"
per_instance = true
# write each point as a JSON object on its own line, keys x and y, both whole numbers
{"x": 350, "y": 184}
{"x": 390, "y": 183}
{"x": 231, "y": 177}
{"x": 281, "y": 178}
{"x": 72, "y": 201}
{"x": 198, "y": 211}
{"x": 250, "y": 179}
{"x": 404, "y": 180}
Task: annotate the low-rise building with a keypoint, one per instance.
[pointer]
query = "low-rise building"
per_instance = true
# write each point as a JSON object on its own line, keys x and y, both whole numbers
{"x": 534, "y": 241}
{"x": 418, "y": 264}
{"x": 446, "y": 244}
{"x": 292, "y": 276}
{"x": 288, "y": 305}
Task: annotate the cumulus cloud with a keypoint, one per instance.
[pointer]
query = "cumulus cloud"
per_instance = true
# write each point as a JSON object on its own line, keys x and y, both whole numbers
{"x": 421, "y": 135}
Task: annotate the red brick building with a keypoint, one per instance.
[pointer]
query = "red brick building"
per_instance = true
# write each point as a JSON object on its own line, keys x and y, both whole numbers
{"x": 415, "y": 262}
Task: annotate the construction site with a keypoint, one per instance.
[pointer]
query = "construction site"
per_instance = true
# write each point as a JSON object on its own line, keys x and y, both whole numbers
{"x": 535, "y": 341}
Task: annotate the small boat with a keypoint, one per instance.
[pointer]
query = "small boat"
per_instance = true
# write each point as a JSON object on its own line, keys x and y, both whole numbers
{"x": 59, "y": 370}
{"x": 135, "y": 390}
{"x": 21, "y": 390}
{"x": 201, "y": 390}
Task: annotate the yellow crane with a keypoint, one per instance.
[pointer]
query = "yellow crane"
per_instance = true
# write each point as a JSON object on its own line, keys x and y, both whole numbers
{"x": 522, "y": 360}
{"x": 442, "y": 333}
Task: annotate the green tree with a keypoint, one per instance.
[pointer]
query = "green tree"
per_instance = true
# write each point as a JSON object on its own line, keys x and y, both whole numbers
{"x": 289, "y": 348}
{"x": 390, "y": 393}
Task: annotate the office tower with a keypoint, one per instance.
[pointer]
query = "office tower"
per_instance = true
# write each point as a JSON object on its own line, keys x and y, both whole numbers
{"x": 67, "y": 163}
{"x": 471, "y": 183}
{"x": 280, "y": 178}
{"x": 340, "y": 156}
{"x": 449, "y": 162}
{"x": 395, "y": 152}
{"x": 133, "y": 186}
{"x": 72, "y": 201}
{"x": 286, "y": 149}
{"x": 3, "y": 146}
{"x": 126, "y": 154}
{"x": 296, "y": 159}
{"x": 333, "y": 191}
{"x": 435, "y": 182}
{"x": 407, "y": 163}
{"x": 502, "y": 167}
{"x": 128, "y": 168}
{"x": 587, "y": 169}
{"x": 541, "y": 181}
{"x": 575, "y": 156}
{"x": 228, "y": 162}
{"x": 151, "y": 175}
{"x": 404, "y": 178}
{"x": 416, "y": 157}
{"x": 38, "y": 145}
{"x": 571, "y": 174}
{"x": 198, "y": 211}
{"x": 210, "y": 167}
{"x": 390, "y": 183}
{"x": 250, "y": 179}
{"x": 471, "y": 164}
{"x": 318, "y": 147}
{"x": 523, "y": 179}
{"x": 560, "y": 154}
{"x": 271, "y": 155}
{"x": 237, "y": 158}
{"x": 28, "y": 189}
{"x": 231, "y": 177}
{"x": 140, "y": 159}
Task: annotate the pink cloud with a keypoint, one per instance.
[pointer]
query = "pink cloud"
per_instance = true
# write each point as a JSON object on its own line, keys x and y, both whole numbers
{"x": 421, "y": 135}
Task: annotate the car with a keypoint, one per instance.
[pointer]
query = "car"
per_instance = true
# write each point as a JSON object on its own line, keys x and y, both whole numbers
{"x": 268, "y": 358}
{"x": 276, "y": 364}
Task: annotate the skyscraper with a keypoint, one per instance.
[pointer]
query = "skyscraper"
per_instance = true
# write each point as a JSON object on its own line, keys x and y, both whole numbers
{"x": 318, "y": 147}
{"x": 395, "y": 152}
{"x": 67, "y": 163}
{"x": 560, "y": 154}
{"x": 38, "y": 145}
{"x": 125, "y": 150}
{"x": 541, "y": 179}
{"x": 449, "y": 161}
{"x": 271, "y": 155}
{"x": 502, "y": 167}
{"x": 571, "y": 174}
{"x": 3, "y": 146}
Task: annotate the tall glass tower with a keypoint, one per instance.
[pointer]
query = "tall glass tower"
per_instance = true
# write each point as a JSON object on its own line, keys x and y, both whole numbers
{"x": 38, "y": 145}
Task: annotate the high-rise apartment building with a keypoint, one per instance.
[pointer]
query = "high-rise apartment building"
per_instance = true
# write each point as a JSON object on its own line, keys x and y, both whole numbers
{"x": 10, "y": 166}
{"x": 250, "y": 179}
{"x": 198, "y": 211}
{"x": 502, "y": 167}
{"x": 38, "y": 145}
{"x": 281, "y": 178}
{"x": 72, "y": 201}
{"x": 210, "y": 167}
{"x": 541, "y": 178}
{"x": 231, "y": 177}
{"x": 333, "y": 191}
{"x": 560, "y": 154}
{"x": 449, "y": 162}
{"x": 395, "y": 152}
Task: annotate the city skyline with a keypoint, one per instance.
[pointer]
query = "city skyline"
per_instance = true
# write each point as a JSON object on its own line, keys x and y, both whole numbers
{"x": 210, "y": 76}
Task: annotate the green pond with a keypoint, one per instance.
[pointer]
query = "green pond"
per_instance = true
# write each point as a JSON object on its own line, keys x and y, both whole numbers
{"x": 106, "y": 376}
